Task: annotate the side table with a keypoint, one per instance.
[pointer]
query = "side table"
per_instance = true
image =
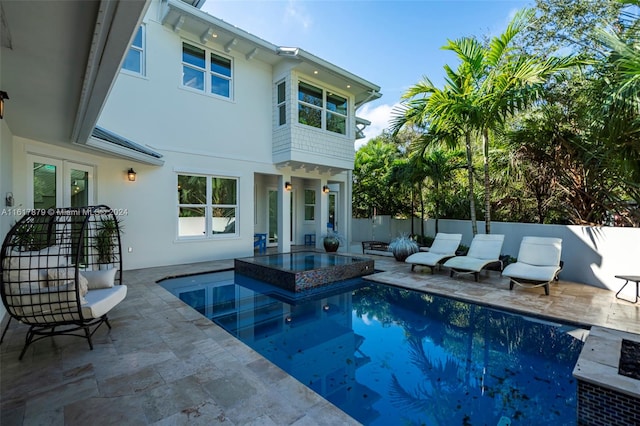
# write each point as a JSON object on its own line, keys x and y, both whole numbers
{"x": 629, "y": 278}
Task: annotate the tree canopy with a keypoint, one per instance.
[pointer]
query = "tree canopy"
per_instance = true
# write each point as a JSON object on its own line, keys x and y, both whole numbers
{"x": 559, "y": 136}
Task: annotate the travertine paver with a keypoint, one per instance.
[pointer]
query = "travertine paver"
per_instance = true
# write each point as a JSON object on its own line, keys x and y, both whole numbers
{"x": 164, "y": 364}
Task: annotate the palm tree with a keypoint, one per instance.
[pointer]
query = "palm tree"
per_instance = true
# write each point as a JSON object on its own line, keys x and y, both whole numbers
{"x": 447, "y": 115}
{"x": 505, "y": 83}
{"x": 490, "y": 84}
{"x": 619, "y": 125}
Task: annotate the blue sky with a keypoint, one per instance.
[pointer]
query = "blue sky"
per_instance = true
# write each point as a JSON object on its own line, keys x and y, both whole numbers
{"x": 390, "y": 43}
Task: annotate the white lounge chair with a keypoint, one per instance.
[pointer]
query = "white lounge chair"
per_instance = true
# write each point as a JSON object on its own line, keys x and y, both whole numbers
{"x": 444, "y": 246}
{"x": 484, "y": 252}
{"x": 538, "y": 263}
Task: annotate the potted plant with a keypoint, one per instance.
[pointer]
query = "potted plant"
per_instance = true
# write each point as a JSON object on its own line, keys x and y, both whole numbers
{"x": 104, "y": 241}
{"x": 402, "y": 247}
{"x": 332, "y": 240}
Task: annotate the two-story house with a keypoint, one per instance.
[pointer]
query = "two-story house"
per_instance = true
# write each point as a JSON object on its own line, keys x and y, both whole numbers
{"x": 208, "y": 137}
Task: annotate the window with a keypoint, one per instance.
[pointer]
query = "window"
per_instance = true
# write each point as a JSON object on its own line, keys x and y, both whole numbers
{"x": 281, "y": 104}
{"x": 336, "y": 113}
{"x": 309, "y": 105}
{"x": 309, "y": 204}
{"x": 207, "y": 206}
{"x": 321, "y": 109}
{"x": 134, "y": 61}
{"x": 206, "y": 71}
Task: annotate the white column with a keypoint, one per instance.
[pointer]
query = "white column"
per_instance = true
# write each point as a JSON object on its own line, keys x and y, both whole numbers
{"x": 322, "y": 212}
{"x": 348, "y": 210}
{"x": 284, "y": 216}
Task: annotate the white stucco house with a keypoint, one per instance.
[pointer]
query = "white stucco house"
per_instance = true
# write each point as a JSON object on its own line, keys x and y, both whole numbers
{"x": 229, "y": 135}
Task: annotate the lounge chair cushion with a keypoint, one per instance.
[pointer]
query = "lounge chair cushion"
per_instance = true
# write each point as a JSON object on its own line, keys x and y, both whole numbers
{"x": 99, "y": 302}
{"x": 486, "y": 246}
{"x": 47, "y": 299}
{"x": 443, "y": 247}
{"x": 103, "y": 278}
{"x": 466, "y": 263}
{"x": 530, "y": 272}
{"x": 31, "y": 266}
{"x": 427, "y": 258}
{"x": 445, "y": 243}
{"x": 540, "y": 251}
{"x": 538, "y": 259}
{"x": 67, "y": 276}
{"x": 484, "y": 250}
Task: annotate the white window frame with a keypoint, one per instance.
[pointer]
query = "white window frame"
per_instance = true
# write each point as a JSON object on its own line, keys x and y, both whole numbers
{"x": 315, "y": 196}
{"x": 281, "y": 104}
{"x": 207, "y": 72}
{"x": 142, "y": 49}
{"x": 323, "y": 109}
{"x": 209, "y": 206}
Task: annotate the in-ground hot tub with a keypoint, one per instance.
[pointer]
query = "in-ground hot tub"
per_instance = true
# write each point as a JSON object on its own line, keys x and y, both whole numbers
{"x": 302, "y": 271}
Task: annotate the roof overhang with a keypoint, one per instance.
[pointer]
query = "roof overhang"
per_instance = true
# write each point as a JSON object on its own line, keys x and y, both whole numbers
{"x": 111, "y": 143}
{"x": 58, "y": 62}
{"x": 122, "y": 152}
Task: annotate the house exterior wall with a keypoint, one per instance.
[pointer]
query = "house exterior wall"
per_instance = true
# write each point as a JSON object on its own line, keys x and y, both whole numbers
{"x": 6, "y": 175}
{"x": 204, "y": 134}
{"x": 155, "y": 110}
{"x": 7, "y": 219}
{"x": 201, "y": 134}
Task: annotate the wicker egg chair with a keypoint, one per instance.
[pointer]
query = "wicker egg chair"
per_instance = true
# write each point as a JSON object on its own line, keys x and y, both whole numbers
{"x": 62, "y": 271}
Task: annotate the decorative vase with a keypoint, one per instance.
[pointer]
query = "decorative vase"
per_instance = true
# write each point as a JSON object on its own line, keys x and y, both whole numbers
{"x": 331, "y": 244}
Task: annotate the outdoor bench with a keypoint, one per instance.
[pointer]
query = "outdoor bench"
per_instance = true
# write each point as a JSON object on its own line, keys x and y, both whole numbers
{"x": 378, "y": 248}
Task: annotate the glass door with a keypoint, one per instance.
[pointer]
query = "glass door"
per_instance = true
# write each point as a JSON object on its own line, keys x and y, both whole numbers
{"x": 272, "y": 223}
{"x": 333, "y": 211}
{"x": 59, "y": 183}
{"x": 46, "y": 184}
{"x": 79, "y": 181}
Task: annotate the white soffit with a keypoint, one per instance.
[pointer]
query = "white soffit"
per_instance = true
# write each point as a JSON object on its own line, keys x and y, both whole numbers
{"x": 58, "y": 61}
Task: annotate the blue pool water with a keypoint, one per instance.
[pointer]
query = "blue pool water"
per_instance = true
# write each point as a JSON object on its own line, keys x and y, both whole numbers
{"x": 389, "y": 356}
{"x": 302, "y": 261}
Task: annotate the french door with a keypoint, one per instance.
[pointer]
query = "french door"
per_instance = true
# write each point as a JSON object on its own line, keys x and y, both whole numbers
{"x": 332, "y": 207}
{"x": 54, "y": 183}
{"x": 272, "y": 223}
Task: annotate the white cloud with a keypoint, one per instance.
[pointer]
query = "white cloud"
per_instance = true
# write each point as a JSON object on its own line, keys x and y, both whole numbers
{"x": 379, "y": 117}
{"x": 296, "y": 14}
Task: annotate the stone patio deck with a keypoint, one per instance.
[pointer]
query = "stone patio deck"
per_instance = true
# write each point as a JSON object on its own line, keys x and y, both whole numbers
{"x": 165, "y": 364}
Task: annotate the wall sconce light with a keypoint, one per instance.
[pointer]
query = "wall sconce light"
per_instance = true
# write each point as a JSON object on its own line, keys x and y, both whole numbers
{"x": 287, "y": 186}
{"x": 3, "y": 96}
{"x": 325, "y": 189}
{"x": 131, "y": 175}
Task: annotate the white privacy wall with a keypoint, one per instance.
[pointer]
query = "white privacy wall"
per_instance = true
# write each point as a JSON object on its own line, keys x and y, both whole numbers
{"x": 592, "y": 255}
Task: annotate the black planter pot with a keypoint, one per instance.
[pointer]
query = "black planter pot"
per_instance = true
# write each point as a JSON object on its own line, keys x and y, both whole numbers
{"x": 331, "y": 244}
{"x": 401, "y": 256}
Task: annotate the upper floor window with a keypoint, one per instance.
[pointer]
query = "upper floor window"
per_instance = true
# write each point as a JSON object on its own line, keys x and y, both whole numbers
{"x": 207, "y": 206}
{"x": 281, "y": 103}
{"x": 134, "y": 61}
{"x": 206, "y": 71}
{"x": 322, "y": 109}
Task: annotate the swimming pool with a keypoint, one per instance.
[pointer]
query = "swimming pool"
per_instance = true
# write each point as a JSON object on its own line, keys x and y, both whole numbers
{"x": 386, "y": 355}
